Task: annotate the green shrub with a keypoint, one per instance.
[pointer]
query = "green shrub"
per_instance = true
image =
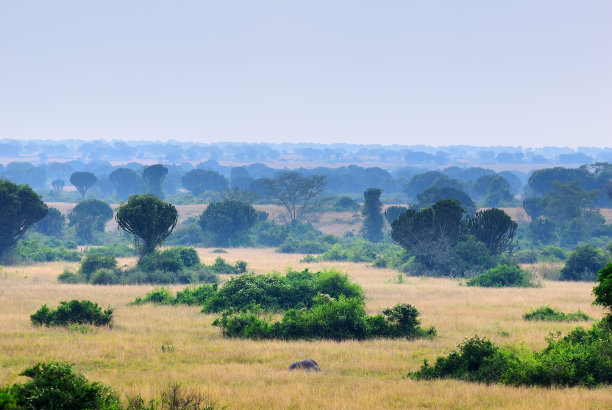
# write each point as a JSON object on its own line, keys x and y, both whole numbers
{"x": 221, "y": 266}
{"x": 116, "y": 249}
{"x": 159, "y": 296}
{"x": 36, "y": 250}
{"x": 502, "y": 276}
{"x": 546, "y": 313}
{"x": 73, "y": 312}
{"x": 526, "y": 256}
{"x": 583, "y": 263}
{"x": 94, "y": 261}
{"x": 55, "y": 385}
{"x": 584, "y": 357}
{"x": 328, "y": 318}
{"x": 68, "y": 277}
{"x": 188, "y": 296}
{"x": 553, "y": 253}
{"x": 104, "y": 277}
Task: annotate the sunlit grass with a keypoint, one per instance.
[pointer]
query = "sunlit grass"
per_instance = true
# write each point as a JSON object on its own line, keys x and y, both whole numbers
{"x": 245, "y": 373}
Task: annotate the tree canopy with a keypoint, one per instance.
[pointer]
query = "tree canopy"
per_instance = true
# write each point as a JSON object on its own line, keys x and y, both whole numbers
{"x": 197, "y": 181}
{"x": 83, "y": 181}
{"x": 227, "y": 220}
{"x": 20, "y": 208}
{"x": 126, "y": 182}
{"x": 90, "y": 216}
{"x": 154, "y": 176}
{"x": 149, "y": 219}
{"x": 373, "y": 218}
{"x": 296, "y": 193}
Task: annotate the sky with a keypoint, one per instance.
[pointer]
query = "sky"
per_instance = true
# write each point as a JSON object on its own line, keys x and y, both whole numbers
{"x": 490, "y": 72}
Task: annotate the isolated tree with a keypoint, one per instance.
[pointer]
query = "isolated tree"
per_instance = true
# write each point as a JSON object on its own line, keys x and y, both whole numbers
{"x": 494, "y": 228}
{"x": 373, "y": 219}
{"x": 52, "y": 224}
{"x": 126, "y": 182}
{"x": 58, "y": 185}
{"x": 393, "y": 212}
{"x": 20, "y": 208}
{"x": 197, "y": 181}
{"x": 296, "y": 193}
{"x": 149, "y": 219}
{"x": 83, "y": 181}
{"x": 88, "y": 217}
{"x": 227, "y": 220}
{"x": 603, "y": 291}
{"x": 154, "y": 176}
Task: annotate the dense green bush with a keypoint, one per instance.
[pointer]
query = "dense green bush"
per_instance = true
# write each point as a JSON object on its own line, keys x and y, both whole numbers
{"x": 584, "y": 357}
{"x": 94, "y": 261}
{"x": 56, "y": 385}
{"x": 73, "y": 312}
{"x": 271, "y": 292}
{"x": 328, "y": 318}
{"x": 583, "y": 263}
{"x": 503, "y": 276}
{"x": 546, "y": 313}
{"x": 222, "y": 267}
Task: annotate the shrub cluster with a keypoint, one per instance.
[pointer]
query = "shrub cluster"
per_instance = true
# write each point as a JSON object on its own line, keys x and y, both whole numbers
{"x": 328, "y": 318}
{"x": 40, "y": 248}
{"x": 222, "y": 267}
{"x": 503, "y": 276}
{"x": 546, "y": 313}
{"x": 584, "y": 357}
{"x": 74, "y": 312}
{"x": 56, "y": 386}
{"x": 179, "y": 264}
{"x": 270, "y": 292}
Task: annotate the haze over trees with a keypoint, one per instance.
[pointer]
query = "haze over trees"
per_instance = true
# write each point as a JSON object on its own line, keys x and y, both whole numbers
{"x": 83, "y": 181}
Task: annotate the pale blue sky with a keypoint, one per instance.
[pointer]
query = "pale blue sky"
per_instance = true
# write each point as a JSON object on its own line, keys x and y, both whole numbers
{"x": 488, "y": 72}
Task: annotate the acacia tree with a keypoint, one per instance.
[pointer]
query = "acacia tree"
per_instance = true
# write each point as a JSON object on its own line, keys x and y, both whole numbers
{"x": 90, "y": 216}
{"x": 154, "y": 176}
{"x": 373, "y": 218}
{"x": 126, "y": 182}
{"x": 197, "y": 181}
{"x": 227, "y": 220}
{"x": 83, "y": 181}
{"x": 20, "y": 208}
{"x": 149, "y": 219}
{"x": 295, "y": 192}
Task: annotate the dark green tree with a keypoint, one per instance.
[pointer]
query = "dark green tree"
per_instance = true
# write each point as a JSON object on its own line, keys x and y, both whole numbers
{"x": 603, "y": 290}
{"x": 52, "y": 224}
{"x": 20, "y": 208}
{"x": 543, "y": 231}
{"x": 494, "y": 228}
{"x": 126, "y": 182}
{"x": 149, "y": 219}
{"x": 88, "y": 217}
{"x": 197, "y": 181}
{"x": 583, "y": 263}
{"x": 227, "y": 220}
{"x": 154, "y": 176}
{"x": 373, "y": 222}
{"x": 296, "y": 193}
{"x": 83, "y": 181}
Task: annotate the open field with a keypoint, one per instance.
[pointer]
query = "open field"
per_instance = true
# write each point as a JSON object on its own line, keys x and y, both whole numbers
{"x": 254, "y": 374}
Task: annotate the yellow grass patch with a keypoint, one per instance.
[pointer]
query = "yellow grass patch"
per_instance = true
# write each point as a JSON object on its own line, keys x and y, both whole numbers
{"x": 253, "y": 374}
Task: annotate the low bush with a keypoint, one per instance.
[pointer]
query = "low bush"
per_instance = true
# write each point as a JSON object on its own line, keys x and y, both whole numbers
{"x": 503, "y": 276}
{"x": 328, "y": 318}
{"x": 73, "y": 312}
{"x": 94, "y": 261}
{"x": 116, "y": 249}
{"x": 222, "y": 267}
{"x": 583, "y": 263}
{"x": 270, "y": 292}
{"x": 40, "y": 248}
{"x": 584, "y": 357}
{"x": 546, "y": 313}
{"x": 56, "y": 385}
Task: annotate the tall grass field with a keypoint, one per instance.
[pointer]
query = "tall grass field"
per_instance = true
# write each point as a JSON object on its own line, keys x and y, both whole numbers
{"x": 150, "y": 346}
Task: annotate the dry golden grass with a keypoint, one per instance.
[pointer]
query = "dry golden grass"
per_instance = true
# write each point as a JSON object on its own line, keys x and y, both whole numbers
{"x": 253, "y": 374}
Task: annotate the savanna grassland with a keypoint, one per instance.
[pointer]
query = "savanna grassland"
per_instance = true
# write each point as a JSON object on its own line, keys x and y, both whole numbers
{"x": 253, "y": 374}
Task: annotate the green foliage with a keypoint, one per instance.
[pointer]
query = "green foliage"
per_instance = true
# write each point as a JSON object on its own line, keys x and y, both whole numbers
{"x": 393, "y": 212}
{"x": 543, "y": 230}
{"x": 153, "y": 176}
{"x": 494, "y": 228}
{"x": 296, "y": 193}
{"x": 188, "y": 296}
{"x": 93, "y": 261}
{"x": 198, "y": 181}
{"x": 222, "y": 267}
{"x": 116, "y": 249}
{"x": 83, "y": 181}
{"x": 52, "y": 224}
{"x": 126, "y": 182}
{"x": 39, "y": 248}
{"x": 88, "y": 217}
{"x": 434, "y": 194}
{"x": 583, "y": 263}
{"x": 21, "y": 208}
{"x": 603, "y": 290}
{"x": 73, "y": 312}
{"x": 546, "y": 313}
{"x": 341, "y": 318}
{"x": 227, "y": 221}
{"x": 503, "y": 276}
{"x": 149, "y": 219}
{"x": 373, "y": 219}
{"x": 584, "y": 357}
{"x": 55, "y": 385}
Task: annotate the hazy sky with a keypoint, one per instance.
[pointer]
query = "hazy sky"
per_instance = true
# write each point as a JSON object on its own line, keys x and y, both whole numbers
{"x": 490, "y": 72}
